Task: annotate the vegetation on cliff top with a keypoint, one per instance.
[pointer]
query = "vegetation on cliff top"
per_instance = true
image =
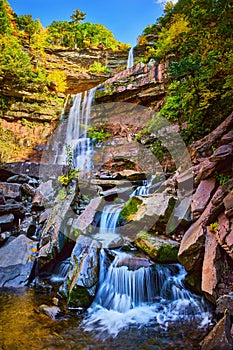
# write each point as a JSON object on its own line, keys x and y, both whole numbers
{"x": 195, "y": 39}
{"x": 23, "y": 43}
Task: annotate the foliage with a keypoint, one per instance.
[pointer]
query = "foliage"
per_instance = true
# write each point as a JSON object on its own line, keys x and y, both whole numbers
{"x": 97, "y": 67}
{"x": 78, "y": 16}
{"x": 98, "y": 132}
{"x": 196, "y": 39}
{"x": 130, "y": 208}
{"x": 222, "y": 179}
{"x": 59, "y": 78}
{"x": 214, "y": 227}
{"x": 14, "y": 62}
{"x": 71, "y": 174}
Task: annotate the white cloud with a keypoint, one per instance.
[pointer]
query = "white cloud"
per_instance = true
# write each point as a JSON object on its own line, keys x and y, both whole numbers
{"x": 163, "y": 2}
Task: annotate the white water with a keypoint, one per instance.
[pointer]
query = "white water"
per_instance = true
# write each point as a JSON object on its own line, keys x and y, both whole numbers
{"x": 147, "y": 295}
{"x": 130, "y": 61}
{"x": 108, "y": 224}
{"x": 76, "y": 133}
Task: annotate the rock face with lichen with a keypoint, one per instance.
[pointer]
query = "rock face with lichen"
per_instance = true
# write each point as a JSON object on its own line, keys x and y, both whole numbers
{"x": 81, "y": 283}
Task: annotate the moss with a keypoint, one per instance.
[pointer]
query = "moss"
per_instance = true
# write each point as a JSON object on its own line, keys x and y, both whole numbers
{"x": 79, "y": 297}
{"x": 130, "y": 208}
{"x": 167, "y": 253}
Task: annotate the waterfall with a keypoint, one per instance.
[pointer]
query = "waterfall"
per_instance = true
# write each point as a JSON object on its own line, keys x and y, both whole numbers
{"x": 144, "y": 188}
{"x": 108, "y": 224}
{"x": 76, "y": 133}
{"x": 133, "y": 295}
{"x": 130, "y": 61}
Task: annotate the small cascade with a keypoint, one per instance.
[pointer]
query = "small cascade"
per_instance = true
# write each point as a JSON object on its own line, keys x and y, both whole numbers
{"x": 60, "y": 271}
{"x": 108, "y": 224}
{"x": 130, "y": 61}
{"x": 141, "y": 190}
{"x": 144, "y": 188}
{"x": 142, "y": 295}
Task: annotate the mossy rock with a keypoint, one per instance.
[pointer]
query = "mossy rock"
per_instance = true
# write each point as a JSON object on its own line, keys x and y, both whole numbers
{"x": 160, "y": 249}
{"x": 130, "y": 208}
{"x": 80, "y": 297}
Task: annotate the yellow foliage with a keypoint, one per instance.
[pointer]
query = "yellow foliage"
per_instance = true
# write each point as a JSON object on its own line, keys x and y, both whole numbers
{"x": 59, "y": 78}
{"x": 169, "y": 37}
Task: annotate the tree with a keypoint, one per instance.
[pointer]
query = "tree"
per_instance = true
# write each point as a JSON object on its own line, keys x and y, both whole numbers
{"x": 78, "y": 16}
{"x": 28, "y": 25}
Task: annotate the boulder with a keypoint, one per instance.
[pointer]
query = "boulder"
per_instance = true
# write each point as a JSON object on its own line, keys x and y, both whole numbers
{"x": 51, "y": 311}
{"x": 6, "y": 221}
{"x": 11, "y": 190}
{"x": 56, "y": 228}
{"x": 159, "y": 248}
{"x": 82, "y": 278}
{"x": 201, "y": 197}
{"x": 17, "y": 209}
{"x": 220, "y": 336}
{"x": 85, "y": 222}
{"x": 150, "y": 212}
{"x": 211, "y": 268}
{"x": 225, "y": 302}
{"x": 16, "y": 262}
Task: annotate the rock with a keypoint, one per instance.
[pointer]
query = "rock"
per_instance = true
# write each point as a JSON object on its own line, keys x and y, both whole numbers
{"x": 206, "y": 169}
{"x": 228, "y": 201}
{"x": 222, "y": 153}
{"x": 191, "y": 249}
{"x": 211, "y": 268}
{"x": 6, "y": 221}
{"x": 28, "y": 226}
{"x": 16, "y": 262}
{"x": 220, "y": 336}
{"x": 201, "y": 197}
{"x": 160, "y": 249}
{"x": 225, "y": 302}
{"x": 20, "y": 179}
{"x": 150, "y": 212}
{"x": 17, "y": 209}
{"x": 85, "y": 222}
{"x": 203, "y": 147}
{"x": 132, "y": 175}
{"x": 44, "y": 194}
{"x": 2, "y": 198}
{"x": 11, "y": 190}
{"x": 55, "y": 228}
{"x": 82, "y": 278}
{"x": 50, "y": 311}
{"x": 28, "y": 189}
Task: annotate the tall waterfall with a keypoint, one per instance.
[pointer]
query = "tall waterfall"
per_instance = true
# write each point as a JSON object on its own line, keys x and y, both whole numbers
{"x": 76, "y": 132}
{"x": 130, "y": 61}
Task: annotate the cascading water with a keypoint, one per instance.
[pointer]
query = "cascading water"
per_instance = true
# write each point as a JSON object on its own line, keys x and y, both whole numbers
{"x": 142, "y": 296}
{"x": 108, "y": 224}
{"x": 132, "y": 293}
{"x": 130, "y": 61}
{"x": 76, "y": 133}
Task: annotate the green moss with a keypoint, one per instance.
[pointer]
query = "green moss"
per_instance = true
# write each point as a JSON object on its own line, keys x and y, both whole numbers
{"x": 167, "y": 253}
{"x": 130, "y": 208}
{"x": 79, "y": 297}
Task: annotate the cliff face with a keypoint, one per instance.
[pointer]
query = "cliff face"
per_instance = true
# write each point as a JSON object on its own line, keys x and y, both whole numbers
{"x": 30, "y": 116}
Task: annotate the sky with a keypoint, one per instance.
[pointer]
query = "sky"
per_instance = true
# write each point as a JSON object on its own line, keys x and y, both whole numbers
{"x": 125, "y": 18}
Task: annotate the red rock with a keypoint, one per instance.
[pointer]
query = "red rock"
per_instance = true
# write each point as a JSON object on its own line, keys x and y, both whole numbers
{"x": 228, "y": 201}
{"x": 223, "y": 228}
{"x": 202, "y": 196}
{"x": 210, "y": 269}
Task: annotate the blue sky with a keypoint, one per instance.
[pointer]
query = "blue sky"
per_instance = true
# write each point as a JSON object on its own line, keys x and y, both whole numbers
{"x": 125, "y": 18}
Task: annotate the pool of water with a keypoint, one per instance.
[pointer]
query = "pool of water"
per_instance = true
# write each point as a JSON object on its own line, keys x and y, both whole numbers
{"x": 22, "y": 327}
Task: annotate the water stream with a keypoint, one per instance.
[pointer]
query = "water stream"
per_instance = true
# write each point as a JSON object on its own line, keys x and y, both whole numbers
{"x": 130, "y": 61}
{"x": 138, "y": 305}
